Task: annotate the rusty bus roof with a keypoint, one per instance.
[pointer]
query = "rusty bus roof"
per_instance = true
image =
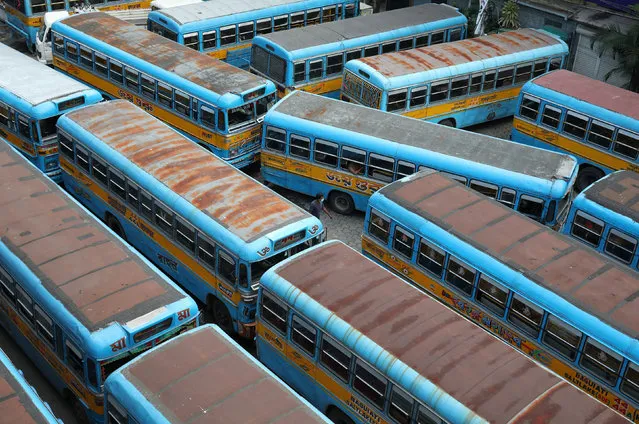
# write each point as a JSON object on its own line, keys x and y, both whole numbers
{"x": 495, "y": 381}
{"x": 586, "y": 279}
{"x": 361, "y": 26}
{"x": 598, "y": 93}
{"x": 203, "y": 70}
{"x": 234, "y": 200}
{"x": 459, "y": 52}
{"x": 215, "y": 382}
{"x": 618, "y": 192}
{"x": 18, "y": 402}
{"x": 97, "y": 278}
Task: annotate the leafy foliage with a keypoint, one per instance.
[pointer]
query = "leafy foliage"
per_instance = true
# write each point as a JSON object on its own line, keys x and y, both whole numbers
{"x": 509, "y": 15}
{"x": 624, "y": 48}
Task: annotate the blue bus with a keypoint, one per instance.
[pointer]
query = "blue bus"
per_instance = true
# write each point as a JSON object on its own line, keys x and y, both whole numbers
{"x": 224, "y": 29}
{"x": 312, "y": 58}
{"x": 363, "y": 346}
{"x": 19, "y": 402}
{"x": 26, "y": 17}
{"x": 457, "y": 84}
{"x": 32, "y": 98}
{"x": 605, "y": 216}
{"x": 216, "y": 105}
{"x": 77, "y": 300}
{"x": 313, "y": 144}
{"x": 214, "y": 380}
{"x": 560, "y": 303}
{"x": 571, "y": 113}
{"x": 206, "y": 224}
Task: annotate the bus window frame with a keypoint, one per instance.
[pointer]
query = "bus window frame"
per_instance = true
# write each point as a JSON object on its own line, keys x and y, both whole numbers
{"x": 504, "y": 202}
{"x": 625, "y": 237}
{"x": 559, "y": 339}
{"x": 433, "y": 247}
{"x": 322, "y": 161}
{"x": 280, "y": 143}
{"x": 223, "y": 37}
{"x": 626, "y": 380}
{"x": 311, "y": 62}
{"x": 551, "y": 108}
{"x": 275, "y": 300}
{"x": 292, "y": 146}
{"x": 523, "y": 322}
{"x": 343, "y": 350}
{"x": 532, "y": 199}
{"x": 220, "y": 253}
{"x": 403, "y": 231}
{"x": 402, "y": 103}
{"x": 462, "y": 90}
{"x": 377, "y": 172}
{"x": 466, "y": 267}
{"x": 209, "y": 40}
{"x": 438, "y": 83}
{"x": 384, "y": 219}
{"x": 518, "y": 79}
{"x": 606, "y": 352}
{"x": 485, "y": 185}
{"x": 630, "y": 135}
{"x": 423, "y": 97}
{"x": 297, "y": 318}
{"x": 604, "y": 125}
{"x": 349, "y": 164}
{"x": 523, "y": 106}
{"x": 280, "y": 27}
{"x": 242, "y": 36}
{"x": 493, "y": 304}
{"x": 578, "y": 116}
{"x": 583, "y": 215}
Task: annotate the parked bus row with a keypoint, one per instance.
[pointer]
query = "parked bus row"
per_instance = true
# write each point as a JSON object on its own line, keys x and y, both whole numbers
{"x": 552, "y": 298}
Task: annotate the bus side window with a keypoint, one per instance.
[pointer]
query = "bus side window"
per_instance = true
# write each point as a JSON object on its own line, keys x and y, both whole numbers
{"x": 86, "y": 57}
{"x": 297, "y": 19}
{"x": 66, "y": 145}
{"x": 58, "y": 44}
{"x": 540, "y": 68}
{"x": 436, "y": 38}
{"x": 23, "y": 127}
{"x": 209, "y": 40}
{"x": 555, "y": 63}
{"x": 486, "y": 189}
{"x": 389, "y": 47}
{"x": 206, "y": 251}
{"x": 369, "y": 383}
{"x": 163, "y": 219}
{"x": 492, "y": 295}
{"x": 626, "y": 144}
{"x": 334, "y": 64}
{"x": 185, "y": 235}
{"x": 601, "y": 361}
{"x": 7, "y": 285}
{"x": 431, "y": 258}
{"x": 132, "y": 195}
{"x": 275, "y": 139}
{"x": 507, "y": 197}
{"x": 587, "y": 228}
{"x": 551, "y": 116}
{"x": 403, "y": 242}
{"x": 405, "y": 44}
{"x": 400, "y": 406}
{"x": 353, "y": 160}
{"x": 396, "y": 100}
{"x": 101, "y": 64}
{"x": 460, "y": 275}
{"x": 274, "y": 312}
{"x": 562, "y": 337}
{"x": 74, "y": 358}
{"x": 132, "y": 79}
{"x": 24, "y": 303}
{"x": 72, "y": 51}
{"x": 600, "y": 134}
{"x": 459, "y": 87}
{"x": 115, "y": 69}
{"x": 529, "y": 108}
{"x": 182, "y": 103}
{"x": 226, "y": 267}
{"x": 379, "y": 227}
{"x": 315, "y": 69}
{"x": 353, "y": 54}
{"x": 418, "y": 97}
{"x": 4, "y": 114}
{"x": 404, "y": 169}
{"x": 207, "y": 116}
{"x": 335, "y": 358}
{"x": 221, "y": 120}
{"x": 117, "y": 184}
{"x": 349, "y": 11}
{"x": 325, "y": 153}
{"x": 300, "y": 147}
{"x": 461, "y": 180}
{"x": 92, "y": 374}
{"x": 489, "y": 81}
{"x": 438, "y": 91}
{"x": 192, "y": 40}
{"x": 531, "y": 207}
{"x": 371, "y": 51}
{"x": 523, "y": 73}
{"x": 630, "y": 384}
{"x": 328, "y": 13}
{"x": 82, "y": 158}
{"x": 247, "y": 31}
{"x": 115, "y": 412}
{"x": 44, "y": 326}
{"x": 228, "y": 35}
{"x": 165, "y": 95}
{"x": 525, "y": 316}
{"x": 505, "y": 77}
{"x": 303, "y": 335}
{"x": 264, "y": 26}
{"x": 99, "y": 171}
{"x": 312, "y": 16}
{"x": 454, "y": 34}
{"x": 148, "y": 86}
{"x": 475, "y": 83}
{"x": 421, "y": 41}
{"x": 620, "y": 246}
{"x": 380, "y": 167}
{"x": 575, "y": 125}
{"x": 280, "y": 23}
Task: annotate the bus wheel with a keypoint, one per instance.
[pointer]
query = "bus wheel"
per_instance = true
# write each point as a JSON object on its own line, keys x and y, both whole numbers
{"x": 337, "y": 416}
{"x": 79, "y": 412}
{"x": 220, "y": 316}
{"x": 113, "y": 223}
{"x": 447, "y": 123}
{"x": 587, "y": 176}
{"x": 341, "y": 202}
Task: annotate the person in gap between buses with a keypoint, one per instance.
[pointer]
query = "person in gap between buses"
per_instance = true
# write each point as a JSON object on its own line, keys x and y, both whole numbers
{"x": 317, "y": 206}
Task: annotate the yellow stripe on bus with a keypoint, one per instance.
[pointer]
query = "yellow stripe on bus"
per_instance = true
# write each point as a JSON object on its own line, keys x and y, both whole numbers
{"x": 218, "y": 140}
{"x": 463, "y": 104}
{"x": 185, "y": 260}
{"x": 322, "y": 87}
{"x": 34, "y": 21}
{"x": 331, "y": 177}
{"x": 18, "y": 143}
{"x": 580, "y": 149}
{"x": 325, "y": 380}
{"x": 94, "y": 401}
{"x": 459, "y": 304}
{"x": 223, "y": 53}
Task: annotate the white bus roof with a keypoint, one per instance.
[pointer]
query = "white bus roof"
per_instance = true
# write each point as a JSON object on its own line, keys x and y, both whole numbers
{"x": 165, "y": 4}
{"x": 32, "y": 81}
{"x": 216, "y": 8}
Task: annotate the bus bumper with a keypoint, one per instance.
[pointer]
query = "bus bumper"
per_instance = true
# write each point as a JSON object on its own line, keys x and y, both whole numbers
{"x": 244, "y": 161}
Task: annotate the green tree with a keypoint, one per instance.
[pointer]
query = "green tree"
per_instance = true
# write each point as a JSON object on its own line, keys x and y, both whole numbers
{"x": 625, "y": 50}
{"x": 509, "y": 18}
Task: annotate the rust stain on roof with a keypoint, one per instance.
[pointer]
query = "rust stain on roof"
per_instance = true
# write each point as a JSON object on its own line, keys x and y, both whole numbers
{"x": 201, "y": 69}
{"x": 79, "y": 262}
{"x": 181, "y": 385}
{"x": 618, "y": 192}
{"x": 458, "y": 52}
{"x": 599, "y": 93}
{"x": 239, "y": 203}
{"x": 592, "y": 282}
{"x": 482, "y": 372}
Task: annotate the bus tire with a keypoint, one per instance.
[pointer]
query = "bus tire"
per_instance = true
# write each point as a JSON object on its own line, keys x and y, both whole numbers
{"x": 79, "y": 412}
{"x": 338, "y": 417}
{"x": 341, "y": 202}
{"x": 220, "y": 315}
{"x": 113, "y": 223}
{"x": 587, "y": 175}
{"x": 448, "y": 123}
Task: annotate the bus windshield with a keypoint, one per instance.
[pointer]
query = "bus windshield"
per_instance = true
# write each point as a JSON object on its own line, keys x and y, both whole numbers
{"x": 259, "y": 268}
{"x": 48, "y": 128}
